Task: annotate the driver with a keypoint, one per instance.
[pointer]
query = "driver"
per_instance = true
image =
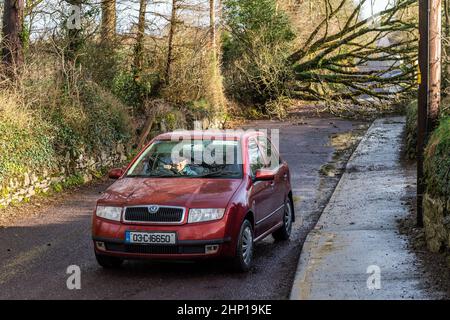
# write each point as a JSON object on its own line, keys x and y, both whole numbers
{"x": 181, "y": 167}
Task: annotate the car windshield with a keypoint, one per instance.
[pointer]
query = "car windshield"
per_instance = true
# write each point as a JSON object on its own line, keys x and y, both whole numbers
{"x": 190, "y": 159}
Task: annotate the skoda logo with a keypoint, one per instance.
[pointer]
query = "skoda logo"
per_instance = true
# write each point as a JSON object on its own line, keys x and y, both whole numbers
{"x": 153, "y": 209}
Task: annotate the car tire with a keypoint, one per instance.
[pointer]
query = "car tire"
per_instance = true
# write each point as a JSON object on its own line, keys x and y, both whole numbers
{"x": 108, "y": 262}
{"x": 242, "y": 262}
{"x": 284, "y": 233}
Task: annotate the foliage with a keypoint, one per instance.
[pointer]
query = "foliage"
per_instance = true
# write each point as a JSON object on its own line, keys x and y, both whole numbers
{"x": 70, "y": 182}
{"x": 345, "y": 55}
{"x": 102, "y": 61}
{"x": 255, "y": 50}
{"x": 93, "y": 120}
{"x": 36, "y": 134}
{"x": 277, "y": 108}
{"x": 133, "y": 90}
{"x": 437, "y": 161}
{"x": 411, "y": 130}
{"x": 245, "y": 18}
{"x": 107, "y": 121}
{"x": 25, "y": 140}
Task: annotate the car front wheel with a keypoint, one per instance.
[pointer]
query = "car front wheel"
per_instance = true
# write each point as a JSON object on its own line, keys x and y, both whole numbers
{"x": 244, "y": 251}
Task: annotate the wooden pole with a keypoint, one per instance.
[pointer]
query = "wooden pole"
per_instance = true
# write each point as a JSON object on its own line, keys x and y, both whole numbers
{"x": 435, "y": 63}
{"x": 429, "y": 99}
{"x": 422, "y": 112}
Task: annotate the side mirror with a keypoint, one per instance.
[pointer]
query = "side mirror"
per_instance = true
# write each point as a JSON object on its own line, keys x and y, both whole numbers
{"x": 264, "y": 175}
{"x": 116, "y": 173}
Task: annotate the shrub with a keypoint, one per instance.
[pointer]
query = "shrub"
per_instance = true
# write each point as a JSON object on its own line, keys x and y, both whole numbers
{"x": 278, "y": 108}
{"x": 411, "y": 130}
{"x": 256, "y": 50}
{"x": 25, "y": 140}
{"x": 437, "y": 161}
{"x": 133, "y": 90}
{"x": 107, "y": 119}
{"x": 102, "y": 61}
{"x": 37, "y": 136}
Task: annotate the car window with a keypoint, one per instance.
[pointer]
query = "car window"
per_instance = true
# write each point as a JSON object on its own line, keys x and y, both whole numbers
{"x": 255, "y": 157}
{"x": 269, "y": 151}
{"x": 190, "y": 159}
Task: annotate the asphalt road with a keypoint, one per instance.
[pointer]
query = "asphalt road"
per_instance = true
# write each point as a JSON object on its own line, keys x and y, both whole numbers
{"x": 35, "y": 251}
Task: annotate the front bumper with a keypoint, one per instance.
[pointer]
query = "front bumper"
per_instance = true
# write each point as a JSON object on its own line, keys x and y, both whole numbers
{"x": 192, "y": 240}
{"x": 182, "y": 250}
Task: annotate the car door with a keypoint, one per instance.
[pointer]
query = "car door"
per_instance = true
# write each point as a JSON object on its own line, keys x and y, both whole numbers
{"x": 279, "y": 189}
{"x": 260, "y": 197}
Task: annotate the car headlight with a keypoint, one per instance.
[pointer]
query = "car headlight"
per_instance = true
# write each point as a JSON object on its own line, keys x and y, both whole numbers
{"x": 200, "y": 215}
{"x": 110, "y": 213}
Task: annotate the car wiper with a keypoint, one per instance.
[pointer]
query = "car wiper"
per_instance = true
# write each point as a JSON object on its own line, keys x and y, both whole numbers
{"x": 151, "y": 176}
{"x": 219, "y": 174}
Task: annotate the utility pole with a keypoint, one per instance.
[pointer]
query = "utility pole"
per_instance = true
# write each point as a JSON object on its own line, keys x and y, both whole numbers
{"x": 430, "y": 85}
{"x": 435, "y": 57}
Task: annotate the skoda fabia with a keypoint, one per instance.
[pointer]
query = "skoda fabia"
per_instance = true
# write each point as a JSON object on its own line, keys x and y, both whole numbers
{"x": 195, "y": 195}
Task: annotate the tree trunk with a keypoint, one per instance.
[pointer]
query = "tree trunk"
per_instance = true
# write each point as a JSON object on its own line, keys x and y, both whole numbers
{"x": 173, "y": 22}
{"x": 435, "y": 31}
{"x": 74, "y": 34}
{"x": 12, "y": 49}
{"x": 215, "y": 92}
{"x": 212, "y": 28}
{"x": 446, "y": 73}
{"x": 139, "y": 48}
{"x": 108, "y": 26}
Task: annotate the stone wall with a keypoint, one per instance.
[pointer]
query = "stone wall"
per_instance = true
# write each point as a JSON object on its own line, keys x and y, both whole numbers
{"x": 437, "y": 223}
{"x": 72, "y": 170}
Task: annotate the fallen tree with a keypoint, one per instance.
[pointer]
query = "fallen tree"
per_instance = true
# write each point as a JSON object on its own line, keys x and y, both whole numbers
{"x": 338, "y": 50}
{"x": 374, "y": 56}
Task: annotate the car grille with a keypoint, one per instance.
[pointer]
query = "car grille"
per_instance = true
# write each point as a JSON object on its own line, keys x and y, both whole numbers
{"x": 154, "y": 249}
{"x": 162, "y": 215}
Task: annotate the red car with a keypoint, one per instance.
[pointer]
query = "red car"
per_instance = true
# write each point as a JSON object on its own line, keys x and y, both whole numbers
{"x": 191, "y": 195}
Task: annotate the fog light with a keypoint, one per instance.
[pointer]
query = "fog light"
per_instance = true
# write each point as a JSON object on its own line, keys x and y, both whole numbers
{"x": 100, "y": 245}
{"x": 209, "y": 249}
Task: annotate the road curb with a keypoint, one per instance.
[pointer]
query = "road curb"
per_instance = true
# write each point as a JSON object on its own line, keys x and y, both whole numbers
{"x": 298, "y": 289}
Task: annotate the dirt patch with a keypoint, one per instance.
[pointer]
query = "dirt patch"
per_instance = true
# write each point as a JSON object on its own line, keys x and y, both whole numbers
{"x": 344, "y": 144}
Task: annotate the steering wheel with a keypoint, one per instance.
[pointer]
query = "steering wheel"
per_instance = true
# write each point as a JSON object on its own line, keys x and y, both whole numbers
{"x": 160, "y": 160}
{"x": 153, "y": 159}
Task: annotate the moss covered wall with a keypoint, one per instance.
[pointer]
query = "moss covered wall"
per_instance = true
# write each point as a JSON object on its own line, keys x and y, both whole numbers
{"x": 437, "y": 223}
{"x": 437, "y": 197}
{"x": 71, "y": 172}
{"x": 411, "y": 130}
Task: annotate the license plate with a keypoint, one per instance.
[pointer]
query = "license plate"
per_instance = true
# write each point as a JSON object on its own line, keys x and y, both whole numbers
{"x": 150, "y": 237}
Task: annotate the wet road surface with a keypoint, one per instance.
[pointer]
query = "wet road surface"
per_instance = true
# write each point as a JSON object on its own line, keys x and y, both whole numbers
{"x": 355, "y": 251}
{"x": 36, "y": 251}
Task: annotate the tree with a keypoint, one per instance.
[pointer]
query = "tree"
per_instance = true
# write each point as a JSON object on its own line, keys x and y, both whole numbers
{"x": 337, "y": 53}
{"x": 446, "y": 46}
{"x": 108, "y": 25}
{"x": 172, "y": 22}
{"x": 216, "y": 95}
{"x": 139, "y": 47}
{"x": 74, "y": 36}
{"x": 340, "y": 59}
{"x": 212, "y": 28}
{"x": 256, "y": 47}
{"x": 12, "y": 47}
